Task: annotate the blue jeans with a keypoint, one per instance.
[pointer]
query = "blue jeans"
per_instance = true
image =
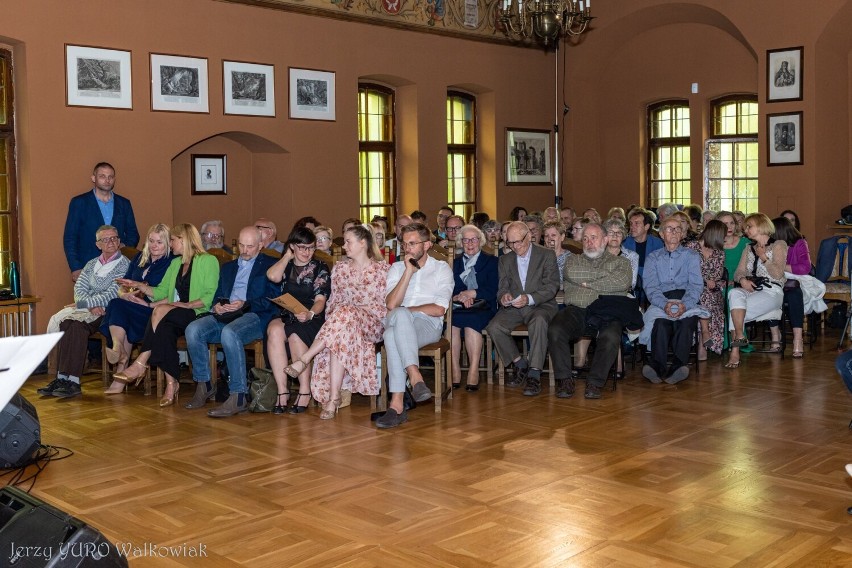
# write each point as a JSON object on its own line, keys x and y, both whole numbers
{"x": 233, "y": 338}
{"x": 843, "y": 364}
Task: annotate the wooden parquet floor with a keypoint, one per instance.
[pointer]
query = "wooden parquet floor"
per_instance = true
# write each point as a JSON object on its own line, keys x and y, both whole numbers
{"x": 729, "y": 468}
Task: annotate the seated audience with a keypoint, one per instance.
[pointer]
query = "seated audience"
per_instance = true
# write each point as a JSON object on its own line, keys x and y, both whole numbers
{"x": 567, "y": 217}
{"x": 641, "y": 241}
{"x": 663, "y": 212}
{"x": 535, "y": 224}
{"x": 554, "y": 235}
{"x": 474, "y": 301}
{"x": 186, "y": 291}
{"x": 491, "y": 229}
{"x": 94, "y": 288}
{"x": 444, "y": 213}
{"x": 419, "y": 289}
{"x": 306, "y": 222}
{"x": 127, "y": 316}
{"x": 239, "y": 316}
{"x": 213, "y": 236}
{"x": 592, "y": 215}
{"x": 673, "y": 284}
{"x": 615, "y": 233}
{"x": 394, "y": 244}
{"x": 695, "y": 214}
{"x": 760, "y": 276}
{"x": 477, "y": 219}
{"x": 793, "y": 217}
{"x": 268, "y": 235}
{"x": 378, "y": 232}
{"x": 454, "y": 223}
{"x": 734, "y": 243}
{"x": 617, "y": 213}
{"x": 418, "y": 216}
{"x": 517, "y": 213}
{"x": 529, "y": 281}
{"x": 588, "y": 277}
{"x": 689, "y": 235}
{"x": 308, "y": 280}
{"x": 577, "y": 228}
{"x": 798, "y": 264}
{"x": 550, "y": 214}
{"x": 505, "y": 248}
{"x": 709, "y": 247}
{"x": 344, "y": 350}
{"x": 707, "y": 216}
{"x": 325, "y": 238}
{"x": 349, "y": 223}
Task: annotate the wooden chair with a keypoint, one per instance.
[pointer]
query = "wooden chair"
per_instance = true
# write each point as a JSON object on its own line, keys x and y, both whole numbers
{"x": 325, "y": 257}
{"x": 129, "y": 252}
{"x": 271, "y": 252}
{"x": 221, "y": 255}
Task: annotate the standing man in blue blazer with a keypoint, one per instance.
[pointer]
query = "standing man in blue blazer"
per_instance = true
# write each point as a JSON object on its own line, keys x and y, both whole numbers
{"x": 90, "y": 210}
{"x": 240, "y": 315}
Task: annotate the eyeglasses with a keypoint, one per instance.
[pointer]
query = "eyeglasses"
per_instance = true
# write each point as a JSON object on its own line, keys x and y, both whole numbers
{"x": 470, "y": 241}
{"x": 614, "y": 234}
{"x": 513, "y": 244}
{"x": 412, "y": 244}
{"x": 306, "y": 248}
{"x": 262, "y": 227}
{"x": 673, "y": 230}
{"x": 322, "y": 239}
{"x": 580, "y": 228}
{"x": 452, "y": 228}
{"x": 378, "y": 237}
{"x": 107, "y": 240}
{"x": 213, "y": 236}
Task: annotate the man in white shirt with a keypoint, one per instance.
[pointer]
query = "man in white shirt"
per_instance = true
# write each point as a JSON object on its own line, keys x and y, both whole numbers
{"x": 419, "y": 289}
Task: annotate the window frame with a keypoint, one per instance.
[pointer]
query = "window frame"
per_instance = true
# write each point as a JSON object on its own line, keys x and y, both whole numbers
{"x": 384, "y": 147}
{"x": 657, "y": 143}
{"x": 735, "y": 139}
{"x": 467, "y": 150}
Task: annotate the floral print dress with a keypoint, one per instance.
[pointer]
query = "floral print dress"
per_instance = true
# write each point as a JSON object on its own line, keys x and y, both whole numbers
{"x": 712, "y": 268}
{"x": 353, "y": 326}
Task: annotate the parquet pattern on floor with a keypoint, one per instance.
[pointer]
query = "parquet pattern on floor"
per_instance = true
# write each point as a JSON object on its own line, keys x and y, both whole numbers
{"x": 727, "y": 469}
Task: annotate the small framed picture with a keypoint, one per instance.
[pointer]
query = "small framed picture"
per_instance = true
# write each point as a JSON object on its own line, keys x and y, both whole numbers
{"x": 312, "y": 94}
{"x": 784, "y": 139}
{"x": 209, "y": 176}
{"x": 249, "y": 88}
{"x": 97, "y": 77}
{"x": 179, "y": 84}
{"x": 528, "y": 157}
{"x": 784, "y": 74}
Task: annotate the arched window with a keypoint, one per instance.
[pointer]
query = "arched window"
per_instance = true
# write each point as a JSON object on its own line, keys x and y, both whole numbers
{"x": 731, "y": 160}
{"x": 8, "y": 195}
{"x": 668, "y": 149}
{"x": 376, "y": 152}
{"x": 461, "y": 153}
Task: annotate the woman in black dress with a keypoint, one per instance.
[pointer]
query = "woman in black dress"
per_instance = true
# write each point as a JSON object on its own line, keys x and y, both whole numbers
{"x": 309, "y": 281}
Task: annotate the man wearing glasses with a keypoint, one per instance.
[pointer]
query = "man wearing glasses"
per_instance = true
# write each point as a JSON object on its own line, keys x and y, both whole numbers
{"x": 419, "y": 289}
{"x": 268, "y": 235}
{"x": 451, "y": 229}
{"x": 213, "y": 236}
{"x": 529, "y": 281}
{"x": 395, "y": 243}
{"x": 444, "y": 213}
{"x": 673, "y": 285}
{"x": 93, "y": 290}
{"x": 90, "y": 210}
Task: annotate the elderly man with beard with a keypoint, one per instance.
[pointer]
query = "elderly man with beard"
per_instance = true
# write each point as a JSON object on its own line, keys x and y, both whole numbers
{"x": 419, "y": 289}
{"x": 588, "y": 276}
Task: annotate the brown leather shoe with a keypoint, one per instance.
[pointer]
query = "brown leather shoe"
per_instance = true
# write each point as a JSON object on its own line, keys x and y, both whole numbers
{"x": 201, "y": 396}
{"x": 564, "y": 388}
{"x": 229, "y": 407}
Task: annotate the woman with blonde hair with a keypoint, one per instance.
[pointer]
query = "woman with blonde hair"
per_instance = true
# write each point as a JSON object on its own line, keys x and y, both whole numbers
{"x": 126, "y": 316}
{"x": 185, "y": 292}
{"x": 325, "y": 237}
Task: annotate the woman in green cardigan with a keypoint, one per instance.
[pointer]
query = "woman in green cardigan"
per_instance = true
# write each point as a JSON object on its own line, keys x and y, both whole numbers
{"x": 185, "y": 292}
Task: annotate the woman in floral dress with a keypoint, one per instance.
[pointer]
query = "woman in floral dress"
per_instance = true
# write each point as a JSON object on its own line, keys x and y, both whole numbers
{"x": 345, "y": 348}
{"x": 710, "y": 247}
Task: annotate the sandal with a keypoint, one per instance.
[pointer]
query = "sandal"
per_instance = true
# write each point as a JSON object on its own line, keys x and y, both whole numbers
{"x": 798, "y": 349}
{"x": 741, "y": 342}
{"x": 125, "y": 378}
{"x": 113, "y": 355}
{"x": 774, "y": 347}
{"x": 297, "y": 408}
{"x": 281, "y": 408}
{"x": 732, "y": 364}
{"x": 293, "y": 370}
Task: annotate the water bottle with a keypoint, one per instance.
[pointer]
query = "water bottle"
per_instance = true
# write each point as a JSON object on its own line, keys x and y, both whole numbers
{"x": 14, "y": 279}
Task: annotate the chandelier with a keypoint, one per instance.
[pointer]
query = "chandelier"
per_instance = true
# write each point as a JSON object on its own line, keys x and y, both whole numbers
{"x": 544, "y": 20}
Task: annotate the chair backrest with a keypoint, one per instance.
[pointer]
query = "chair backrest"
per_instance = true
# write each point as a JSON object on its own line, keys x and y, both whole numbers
{"x": 488, "y": 249}
{"x": 840, "y": 268}
{"x": 129, "y": 252}
{"x": 338, "y": 241}
{"x": 833, "y": 259}
{"x": 221, "y": 255}
{"x": 325, "y": 257}
{"x": 440, "y": 253}
{"x": 271, "y": 252}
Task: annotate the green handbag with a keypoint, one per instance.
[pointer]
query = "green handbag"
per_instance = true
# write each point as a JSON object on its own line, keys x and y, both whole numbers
{"x": 263, "y": 390}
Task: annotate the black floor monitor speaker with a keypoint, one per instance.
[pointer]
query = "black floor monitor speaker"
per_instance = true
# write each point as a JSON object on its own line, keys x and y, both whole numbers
{"x": 35, "y": 535}
{"x": 20, "y": 433}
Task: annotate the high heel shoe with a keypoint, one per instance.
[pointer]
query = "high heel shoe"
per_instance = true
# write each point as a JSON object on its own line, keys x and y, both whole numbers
{"x": 294, "y": 370}
{"x": 328, "y": 414}
{"x": 113, "y": 355}
{"x": 281, "y": 408}
{"x": 125, "y": 378}
{"x": 297, "y": 408}
{"x": 168, "y": 401}
{"x": 117, "y": 387}
{"x": 798, "y": 349}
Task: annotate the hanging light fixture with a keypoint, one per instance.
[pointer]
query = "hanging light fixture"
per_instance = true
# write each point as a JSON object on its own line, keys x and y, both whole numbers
{"x": 544, "y": 21}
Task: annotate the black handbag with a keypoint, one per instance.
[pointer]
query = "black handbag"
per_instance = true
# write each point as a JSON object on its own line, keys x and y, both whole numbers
{"x": 228, "y": 317}
{"x": 477, "y": 305}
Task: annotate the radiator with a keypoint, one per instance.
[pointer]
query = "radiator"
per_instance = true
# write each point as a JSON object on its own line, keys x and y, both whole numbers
{"x": 16, "y": 318}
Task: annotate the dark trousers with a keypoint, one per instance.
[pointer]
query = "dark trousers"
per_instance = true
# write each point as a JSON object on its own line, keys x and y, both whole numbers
{"x": 73, "y": 346}
{"x": 679, "y": 334}
{"x": 163, "y": 343}
{"x": 568, "y": 326}
{"x": 795, "y": 306}
{"x": 843, "y": 364}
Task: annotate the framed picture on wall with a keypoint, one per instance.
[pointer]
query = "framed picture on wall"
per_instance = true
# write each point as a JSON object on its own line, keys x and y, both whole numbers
{"x": 528, "y": 157}
{"x": 97, "y": 77}
{"x": 209, "y": 174}
{"x": 784, "y": 139}
{"x": 249, "y": 88}
{"x": 179, "y": 84}
{"x": 312, "y": 94}
{"x": 784, "y": 74}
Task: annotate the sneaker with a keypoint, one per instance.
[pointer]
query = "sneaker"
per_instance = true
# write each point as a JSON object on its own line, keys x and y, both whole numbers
{"x": 68, "y": 390}
{"x": 651, "y": 374}
{"x": 48, "y": 389}
{"x": 533, "y": 386}
{"x": 391, "y": 419}
{"x": 421, "y": 392}
{"x": 519, "y": 376}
